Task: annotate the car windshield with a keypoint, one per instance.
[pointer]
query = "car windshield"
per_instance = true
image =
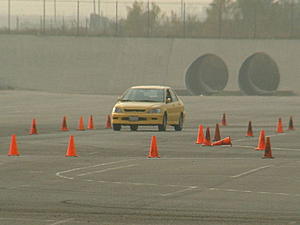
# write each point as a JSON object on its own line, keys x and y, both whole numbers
{"x": 143, "y": 95}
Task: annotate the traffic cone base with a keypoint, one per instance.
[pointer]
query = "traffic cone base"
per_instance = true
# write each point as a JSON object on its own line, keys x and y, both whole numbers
{"x": 224, "y": 141}
{"x": 71, "y": 150}
{"x": 13, "y": 148}
{"x": 200, "y": 137}
{"x": 153, "y": 151}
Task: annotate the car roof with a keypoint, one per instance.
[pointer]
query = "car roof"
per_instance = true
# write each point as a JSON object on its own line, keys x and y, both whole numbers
{"x": 151, "y": 87}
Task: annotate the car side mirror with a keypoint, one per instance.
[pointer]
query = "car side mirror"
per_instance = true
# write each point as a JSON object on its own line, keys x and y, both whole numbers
{"x": 118, "y": 98}
{"x": 169, "y": 100}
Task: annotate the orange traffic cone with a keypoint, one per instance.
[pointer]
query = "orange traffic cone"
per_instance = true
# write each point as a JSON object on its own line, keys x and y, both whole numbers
{"x": 224, "y": 121}
{"x": 217, "y": 133}
{"x": 108, "y": 122}
{"x": 64, "y": 126}
{"x": 13, "y": 148}
{"x": 206, "y": 141}
{"x": 249, "y": 132}
{"x": 71, "y": 151}
{"x": 91, "y": 123}
{"x": 33, "y": 129}
{"x": 261, "y": 141}
{"x": 291, "y": 124}
{"x": 224, "y": 141}
{"x": 268, "y": 150}
{"x": 200, "y": 137}
{"x": 153, "y": 152}
{"x": 81, "y": 124}
{"x": 279, "y": 126}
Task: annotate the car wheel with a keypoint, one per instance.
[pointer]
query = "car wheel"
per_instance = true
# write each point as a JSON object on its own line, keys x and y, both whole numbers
{"x": 179, "y": 126}
{"x": 116, "y": 127}
{"x": 134, "y": 127}
{"x": 163, "y": 126}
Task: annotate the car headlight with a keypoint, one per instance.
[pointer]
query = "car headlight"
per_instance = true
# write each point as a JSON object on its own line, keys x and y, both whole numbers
{"x": 154, "y": 111}
{"x": 117, "y": 110}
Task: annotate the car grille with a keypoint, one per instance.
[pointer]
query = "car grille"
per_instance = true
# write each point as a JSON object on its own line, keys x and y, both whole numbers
{"x": 139, "y": 119}
{"x": 134, "y": 110}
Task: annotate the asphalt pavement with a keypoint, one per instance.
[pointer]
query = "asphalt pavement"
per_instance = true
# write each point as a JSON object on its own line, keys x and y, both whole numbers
{"x": 112, "y": 181}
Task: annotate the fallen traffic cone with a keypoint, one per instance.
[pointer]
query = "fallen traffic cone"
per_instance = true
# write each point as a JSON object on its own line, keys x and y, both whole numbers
{"x": 249, "y": 132}
{"x": 64, "y": 126}
{"x": 224, "y": 121}
{"x": 81, "y": 124}
{"x": 33, "y": 129}
{"x": 261, "y": 141}
{"x": 91, "y": 123}
{"x": 206, "y": 141}
{"x": 200, "y": 137}
{"x": 268, "y": 150}
{"x": 71, "y": 151}
{"x": 291, "y": 124}
{"x": 13, "y": 148}
{"x": 217, "y": 133}
{"x": 279, "y": 126}
{"x": 108, "y": 122}
{"x": 153, "y": 152}
{"x": 224, "y": 141}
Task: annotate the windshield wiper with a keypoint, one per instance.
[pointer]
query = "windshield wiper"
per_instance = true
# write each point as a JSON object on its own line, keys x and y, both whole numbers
{"x": 125, "y": 100}
{"x": 146, "y": 101}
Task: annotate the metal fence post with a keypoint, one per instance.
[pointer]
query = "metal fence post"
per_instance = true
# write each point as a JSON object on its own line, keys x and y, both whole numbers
{"x": 117, "y": 29}
{"x": 78, "y": 19}
{"x": 54, "y": 6}
{"x": 148, "y": 18}
{"x": 44, "y": 16}
{"x": 184, "y": 20}
{"x": 8, "y": 15}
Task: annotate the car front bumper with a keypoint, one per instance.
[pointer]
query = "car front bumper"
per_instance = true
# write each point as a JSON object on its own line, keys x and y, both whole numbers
{"x": 137, "y": 119}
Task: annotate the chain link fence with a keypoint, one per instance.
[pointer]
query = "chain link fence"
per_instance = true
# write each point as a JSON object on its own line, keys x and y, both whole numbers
{"x": 178, "y": 19}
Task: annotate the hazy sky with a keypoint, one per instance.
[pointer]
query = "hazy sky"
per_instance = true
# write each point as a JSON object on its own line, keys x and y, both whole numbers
{"x": 68, "y": 7}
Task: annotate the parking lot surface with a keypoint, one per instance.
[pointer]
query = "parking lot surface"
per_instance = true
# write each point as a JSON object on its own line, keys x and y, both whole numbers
{"x": 112, "y": 181}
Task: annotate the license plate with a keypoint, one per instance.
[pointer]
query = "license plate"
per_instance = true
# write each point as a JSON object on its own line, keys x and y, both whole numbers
{"x": 133, "y": 118}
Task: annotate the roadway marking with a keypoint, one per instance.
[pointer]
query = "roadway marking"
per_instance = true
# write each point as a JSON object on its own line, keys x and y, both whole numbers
{"x": 280, "y": 149}
{"x": 180, "y": 191}
{"x": 105, "y": 170}
{"x": 251, "y": 171}
{"x": 255, "y": 192}
{"x": 62, "y": 221}
{"x": 59, "y": 174}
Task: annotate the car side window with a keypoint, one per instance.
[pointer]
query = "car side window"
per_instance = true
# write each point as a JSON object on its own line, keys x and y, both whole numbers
{"x": 173, "y": 95}
{"x": 169, "y": 95}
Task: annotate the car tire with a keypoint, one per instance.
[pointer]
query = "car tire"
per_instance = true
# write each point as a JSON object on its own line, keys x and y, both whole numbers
{"x": 163, "y": 126}
{"x": 134, "y": 127}
{"x": 116, "y": 127}
{"x": 179, "y": 126}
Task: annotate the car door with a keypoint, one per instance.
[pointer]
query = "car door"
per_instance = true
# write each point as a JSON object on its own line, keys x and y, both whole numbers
{"x": 171, "y": 107}
{"x": 177, "y": 106}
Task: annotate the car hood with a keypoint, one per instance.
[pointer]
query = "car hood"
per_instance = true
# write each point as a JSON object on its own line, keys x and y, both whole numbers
{"x": 138, "y": 105}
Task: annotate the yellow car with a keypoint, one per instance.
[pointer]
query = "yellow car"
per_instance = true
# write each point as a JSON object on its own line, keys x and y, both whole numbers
{"x": 148, "y": 106}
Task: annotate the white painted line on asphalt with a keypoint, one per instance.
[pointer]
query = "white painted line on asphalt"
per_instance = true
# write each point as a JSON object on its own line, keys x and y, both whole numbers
{"x": 25, "y": 219}
{"x": 249, "y": 138}
{"x": 279, "y": 149}
{"x": 291, "y": 223}
{"x": 251, "y": 171}
{"x": 105, "y": 170}
{"x": 62, "y": 221}
{"x": 255, "y": 192}
{"x": 180, "y": 191}
{"x": 59, "y": 174}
